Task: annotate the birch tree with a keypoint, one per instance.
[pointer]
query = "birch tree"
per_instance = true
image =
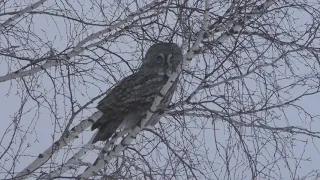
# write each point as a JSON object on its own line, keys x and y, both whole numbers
{"x": 246, "y": 105}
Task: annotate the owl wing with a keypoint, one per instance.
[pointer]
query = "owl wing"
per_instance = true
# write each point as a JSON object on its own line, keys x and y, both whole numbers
{"x": 134, "y": 93}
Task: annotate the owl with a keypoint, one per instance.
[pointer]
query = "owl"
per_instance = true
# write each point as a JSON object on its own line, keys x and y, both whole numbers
{"x": 128, "y": 102}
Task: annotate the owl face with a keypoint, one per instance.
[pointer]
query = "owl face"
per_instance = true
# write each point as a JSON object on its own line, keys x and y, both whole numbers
{"x": 162, "y": 58}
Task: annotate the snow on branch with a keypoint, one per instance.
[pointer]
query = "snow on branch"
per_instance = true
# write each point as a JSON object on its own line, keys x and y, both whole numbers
{"x": 20, "y": 13}
{"x": 132, "y": 135}
{"x": 63, "y": 141}
{"x": 79, "y": 47}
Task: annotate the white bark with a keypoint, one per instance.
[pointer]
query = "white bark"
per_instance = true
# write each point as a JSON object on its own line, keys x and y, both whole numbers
{"x": 79, "y": 47}
{"x": 76, "y": 159}
{"x": 236, "y": 27}
{"x": 186, "y": 59}
{"x": 132, "y": 135}
{"x": 63, "y": 141}
{"x": 105, "y": 157}
{"x": 20, "y": 13}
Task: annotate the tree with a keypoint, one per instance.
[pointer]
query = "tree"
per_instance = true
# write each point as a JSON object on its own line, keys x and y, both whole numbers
{"x": 246, "y": 105}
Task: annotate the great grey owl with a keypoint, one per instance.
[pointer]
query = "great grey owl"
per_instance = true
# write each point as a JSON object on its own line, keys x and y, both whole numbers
{"x": 127, "y": 103}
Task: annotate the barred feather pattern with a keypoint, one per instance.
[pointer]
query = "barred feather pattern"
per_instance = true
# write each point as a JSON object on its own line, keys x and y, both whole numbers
{"x": 128, "y": 102}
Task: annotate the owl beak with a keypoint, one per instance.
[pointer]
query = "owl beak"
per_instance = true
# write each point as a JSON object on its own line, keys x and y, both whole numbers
{"x": 169, "y": 65}
{"x": 169, "y": 61}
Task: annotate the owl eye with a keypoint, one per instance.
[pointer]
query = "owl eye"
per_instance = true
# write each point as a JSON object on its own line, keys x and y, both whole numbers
{"x": 160, "y": 57}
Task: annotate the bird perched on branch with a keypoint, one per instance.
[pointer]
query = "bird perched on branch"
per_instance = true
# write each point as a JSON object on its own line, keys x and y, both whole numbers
{"x": 128, "y": 102}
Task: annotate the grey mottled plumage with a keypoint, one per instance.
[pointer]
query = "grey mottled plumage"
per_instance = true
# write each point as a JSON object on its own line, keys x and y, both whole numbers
{"x": 128, "y": 102}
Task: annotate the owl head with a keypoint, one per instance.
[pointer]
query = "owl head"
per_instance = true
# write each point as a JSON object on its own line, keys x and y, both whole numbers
{"x": 162, "y": 58}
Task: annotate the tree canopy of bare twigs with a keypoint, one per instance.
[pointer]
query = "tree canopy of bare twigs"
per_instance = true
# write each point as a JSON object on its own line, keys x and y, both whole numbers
{"x": 246, "y": 107}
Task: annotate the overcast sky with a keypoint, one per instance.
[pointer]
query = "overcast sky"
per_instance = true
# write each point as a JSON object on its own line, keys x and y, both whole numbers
{"x": 42, "y": 126}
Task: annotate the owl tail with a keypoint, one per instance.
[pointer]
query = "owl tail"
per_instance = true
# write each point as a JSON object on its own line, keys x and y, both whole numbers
{"x": 106, "y": 129}
{"x": 102, "y": 136}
